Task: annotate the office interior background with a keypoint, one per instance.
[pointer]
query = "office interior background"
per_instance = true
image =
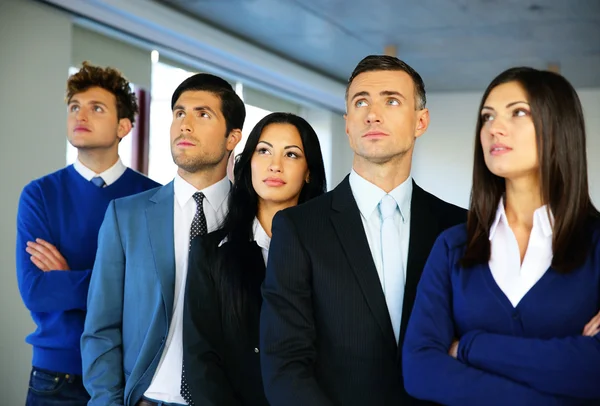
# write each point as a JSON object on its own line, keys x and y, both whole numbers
{"x": 280, "y": 55}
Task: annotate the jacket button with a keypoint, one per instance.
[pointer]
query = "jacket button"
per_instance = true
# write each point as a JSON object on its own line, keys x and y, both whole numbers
{"x": 256, "y": 350}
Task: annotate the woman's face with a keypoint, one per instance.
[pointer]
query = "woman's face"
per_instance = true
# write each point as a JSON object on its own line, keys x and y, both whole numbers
{"x": 279, "y": 167}
{"x": 508, "y": 133}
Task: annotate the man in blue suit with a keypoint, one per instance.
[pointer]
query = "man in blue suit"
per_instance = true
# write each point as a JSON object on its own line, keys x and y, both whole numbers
{"x": 132, "y": 341}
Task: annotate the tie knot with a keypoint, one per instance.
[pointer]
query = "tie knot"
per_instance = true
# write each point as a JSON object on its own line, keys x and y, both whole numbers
{"x": 199, "y": 198}
{"x": 98, "y": 181}
{"x": 387, "y": 206}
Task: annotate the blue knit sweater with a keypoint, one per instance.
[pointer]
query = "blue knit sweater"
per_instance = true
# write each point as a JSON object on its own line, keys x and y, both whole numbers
{"x": 66, "y": 210}
{"x": 531, "y": 354}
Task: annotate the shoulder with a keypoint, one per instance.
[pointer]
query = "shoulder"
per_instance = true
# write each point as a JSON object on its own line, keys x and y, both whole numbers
{"x": 136, "y": 200}
{"x": 49, "y": 183}
{"x": 141, "y": 179}
{"x": 444, "y": 210}
{"x": 454, "y": 238}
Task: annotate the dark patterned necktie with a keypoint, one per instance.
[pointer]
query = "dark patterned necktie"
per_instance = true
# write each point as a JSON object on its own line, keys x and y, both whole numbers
{"x": 198, "y": 228}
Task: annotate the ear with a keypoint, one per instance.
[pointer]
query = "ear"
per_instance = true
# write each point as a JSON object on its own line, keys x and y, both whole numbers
{"x": 307, "y": 179}
{"x": 346, "y": 128}
{"x": 124, "y": 128}
{"x": 233, "y": 138}
{"x": 422, "y": 122}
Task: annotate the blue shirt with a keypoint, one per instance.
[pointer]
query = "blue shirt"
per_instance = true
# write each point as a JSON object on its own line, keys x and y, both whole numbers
{"x": 65, "y": 210}
{"x": 368, "y": 196}
{"x": 531, "y": 354}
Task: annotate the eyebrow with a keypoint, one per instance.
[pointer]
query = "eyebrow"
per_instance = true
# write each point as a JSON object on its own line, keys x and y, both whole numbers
{"x": 382, "y": 93}
{"x": 509, "y": 105}
{"x": 288, "y": 147}
{"x": 197, "y": 108}
{"x": 90, "y": 102}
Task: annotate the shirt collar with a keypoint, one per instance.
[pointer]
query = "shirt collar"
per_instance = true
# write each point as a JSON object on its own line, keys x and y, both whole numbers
{"x": 260, "y": 235}
{"x": 215, "y": 194}
{"x": 368, "y": 195}
{"x": 542, "y": 218}
{"x": 110, "y": 176}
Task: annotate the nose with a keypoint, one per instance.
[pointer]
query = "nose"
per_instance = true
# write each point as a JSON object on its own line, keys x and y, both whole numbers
{"x": 497, "y": 127}
{"x": 373, "y": 116}
{"x": 80, "y": 115}
{"x": 275, "y": 165}
{"x": 186, "y": 126}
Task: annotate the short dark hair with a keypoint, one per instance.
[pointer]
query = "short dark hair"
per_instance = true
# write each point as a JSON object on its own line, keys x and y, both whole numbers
{"x": 232, "y": 106}
{"x": 243, "y": 203}
{"x": 108, "y": 79}
{"x": 560, "y": 134}
{"x": 374, "y": 63}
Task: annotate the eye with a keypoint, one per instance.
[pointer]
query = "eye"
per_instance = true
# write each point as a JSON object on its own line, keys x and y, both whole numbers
{"x": 291, "y": 154}
{"x": 262, "y": 151}
{"x": 204, "y": 114}
{"x": 360, "y": 103}
{"x": 179, "y": 114}
{"x": 485, "y": 117}
{"x": 520, "y": 113}
{"x": 98, "y": 109}
{"x": 73, "y": 108}
{"x": 393, "y": 102}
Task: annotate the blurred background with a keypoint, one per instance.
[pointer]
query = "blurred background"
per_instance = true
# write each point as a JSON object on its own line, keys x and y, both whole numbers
{"x": 280, "y": 55}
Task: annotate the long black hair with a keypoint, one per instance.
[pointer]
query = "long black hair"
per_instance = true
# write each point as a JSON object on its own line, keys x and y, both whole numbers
{"x": 231, "y": 277}
{"x": 560, "y": 134}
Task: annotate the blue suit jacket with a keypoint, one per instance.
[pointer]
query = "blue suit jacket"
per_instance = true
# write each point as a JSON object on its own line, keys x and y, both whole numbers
{"x": 130, "y": 300}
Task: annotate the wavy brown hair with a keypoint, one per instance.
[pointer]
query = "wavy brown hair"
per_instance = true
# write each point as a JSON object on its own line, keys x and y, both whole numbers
{"x": 108, "y": 79}
{"x": 560, "y": 135}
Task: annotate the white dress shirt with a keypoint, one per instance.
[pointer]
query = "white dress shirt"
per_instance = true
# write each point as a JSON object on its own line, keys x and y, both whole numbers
{"x": 367, "y": 197}
{"x": 514, "y": 278}
{"x": 110, "y": 176}
{"x": 262, "y": 238}
{"x": 166, "y": 382}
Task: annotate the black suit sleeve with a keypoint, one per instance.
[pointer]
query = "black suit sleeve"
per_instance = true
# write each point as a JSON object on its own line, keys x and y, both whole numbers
{"x": 203, "y": 335}
{"x": 287, "y": 327}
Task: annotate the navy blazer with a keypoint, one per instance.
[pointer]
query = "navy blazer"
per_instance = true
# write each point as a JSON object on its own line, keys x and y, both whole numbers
{"x": 130, "y": 300}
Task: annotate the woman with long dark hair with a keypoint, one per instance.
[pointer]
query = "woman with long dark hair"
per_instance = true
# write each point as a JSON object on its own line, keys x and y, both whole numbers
{"x": 281, "y": 166}
{"x": 507, "y": 307}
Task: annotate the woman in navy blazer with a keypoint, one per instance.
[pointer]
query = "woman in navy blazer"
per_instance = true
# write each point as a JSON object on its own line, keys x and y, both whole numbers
{"x": 507, "y": 308}
{"x": 280, "y": 166}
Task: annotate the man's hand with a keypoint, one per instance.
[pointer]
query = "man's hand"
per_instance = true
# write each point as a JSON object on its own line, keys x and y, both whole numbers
{"x": 453, "y": 351}
{"x": 45, "y": 256}
{"x": 593, "y": 327}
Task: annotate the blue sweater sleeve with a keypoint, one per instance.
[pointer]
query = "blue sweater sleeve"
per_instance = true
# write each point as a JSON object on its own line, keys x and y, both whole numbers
{"x": 101, "y": 341}
{"x": 429, "y": 372}
{"x": 53, "y": 291}
{"x": 567, "y": 366}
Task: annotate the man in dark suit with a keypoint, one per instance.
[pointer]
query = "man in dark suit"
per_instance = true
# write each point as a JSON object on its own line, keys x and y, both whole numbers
{"x": 343, "y": 268}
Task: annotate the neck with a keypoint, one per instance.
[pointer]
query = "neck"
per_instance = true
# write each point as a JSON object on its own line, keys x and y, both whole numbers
{"x": 203, "y": 178}
{"x": 387, "y": 176}
{"x": 98, "y": 160}
{"x": 523, "y": 198}
{"x": 268, "y": 210}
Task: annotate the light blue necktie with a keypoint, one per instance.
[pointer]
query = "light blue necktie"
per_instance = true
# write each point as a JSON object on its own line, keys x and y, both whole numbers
{"x": 98, "y": 181}
{"x": 393, "y": 268}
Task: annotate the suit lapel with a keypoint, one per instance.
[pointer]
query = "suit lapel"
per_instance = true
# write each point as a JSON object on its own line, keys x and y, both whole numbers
{"x": 424, "y": 229}
{"x": 159, "y": 217}
{"x": 351, "y": 233}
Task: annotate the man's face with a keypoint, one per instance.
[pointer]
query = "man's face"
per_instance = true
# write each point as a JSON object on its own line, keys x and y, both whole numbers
{"x": 92, "y": 120}
{"x": 381, "y": 120}
{"x": 198, "y": 132}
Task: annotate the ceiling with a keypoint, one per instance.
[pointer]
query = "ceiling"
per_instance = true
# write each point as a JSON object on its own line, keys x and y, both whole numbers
{"x": 456, "y": 45}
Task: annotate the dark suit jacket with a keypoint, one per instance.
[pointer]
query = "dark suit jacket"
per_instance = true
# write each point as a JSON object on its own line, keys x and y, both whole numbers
{"x": 221, "y": 357}
{"x": 326, "y": 334}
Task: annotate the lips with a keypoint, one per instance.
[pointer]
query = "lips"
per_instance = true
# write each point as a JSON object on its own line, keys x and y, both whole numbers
{"x": 274, "y": 182}
{"x": 499, "y": 149}
{"x": 81, "y": 129}
{"x": 375, "y": 134}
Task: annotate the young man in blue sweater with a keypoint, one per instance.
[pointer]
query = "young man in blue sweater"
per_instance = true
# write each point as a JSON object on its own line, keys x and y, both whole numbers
{"x": 57, "y": 230}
